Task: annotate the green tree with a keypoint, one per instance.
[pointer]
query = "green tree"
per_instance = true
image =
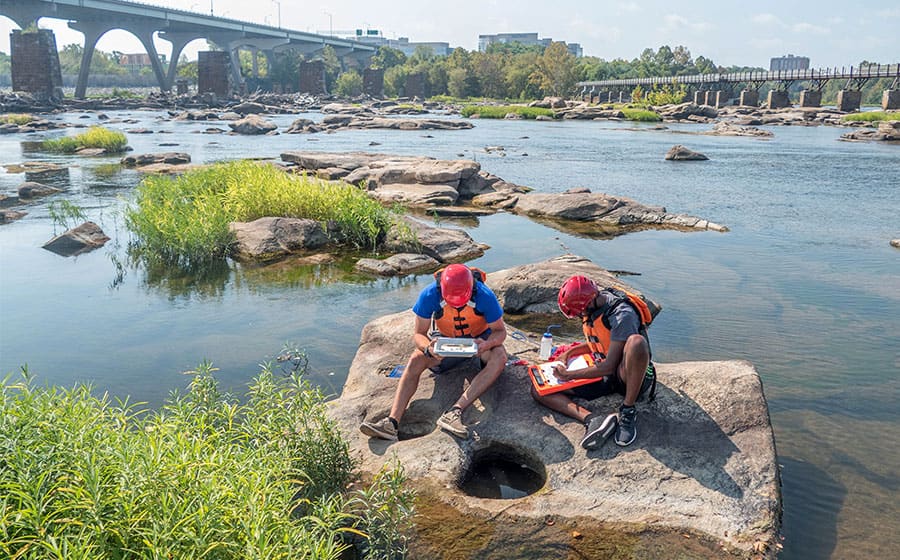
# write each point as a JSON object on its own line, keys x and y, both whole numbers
{"x": 188, "y": 70}
{"x": 557, "y": 69}
{"x": 5, "y": 63}
{"x": 101, "y": 62}
{"x": 246, "y": 59}
{"x": 386, "y": 57}
{"x": 349, "y": 84}
{"x": 395, "y": 81}
{"x": 457, "y": 82}
{"x": 332, "y": 66}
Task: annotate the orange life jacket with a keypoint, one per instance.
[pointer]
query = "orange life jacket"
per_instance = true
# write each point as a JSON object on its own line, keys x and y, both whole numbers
{"x": 597, "y": 332}
{"x": 465, "y": 322}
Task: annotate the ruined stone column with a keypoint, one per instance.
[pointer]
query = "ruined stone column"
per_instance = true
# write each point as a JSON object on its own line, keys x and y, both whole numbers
{"x": 890, "y": 100}
{"x": 749, "y": 98}
{"x": 214, "y": 73}
{"x": 721, "y": 98}
{"x": 778, "y": 99}
{"x": 810, "y": 98}
{"x": 849, "y": 100}
{"x": 415, "y": 85}
{"x": 709, "y": 98}
{"x": 373, "y": 82}
{"x": 35, "y": 64}
{"x": 312, "y": 77}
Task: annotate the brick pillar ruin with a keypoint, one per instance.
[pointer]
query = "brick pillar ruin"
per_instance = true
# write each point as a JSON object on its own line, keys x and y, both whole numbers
{"x": 214, "y": 73}
{"x": 890, "y": 100}
{"x": 810, "y": 98}
{"x": 312, "y": 77}
{"x": 373, "y": 82}
{"x": 415, "y": 86}
{"x": 749, "y": 98}
{"x": 849, "y": 100}
{"x": 778, "y": 99}
{"x": 35, "y": 64}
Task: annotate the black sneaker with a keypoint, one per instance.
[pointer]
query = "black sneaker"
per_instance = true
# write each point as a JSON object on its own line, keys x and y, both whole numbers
{"x": 597, "y": 430}
{"x": 627, "y": 430}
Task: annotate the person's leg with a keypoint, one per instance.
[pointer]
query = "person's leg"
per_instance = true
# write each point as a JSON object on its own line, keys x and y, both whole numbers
{"x": 494, "y": 362}
{"x": 635, "y": 359}
{"x": 560, "y": 402}
{"x": 409, "y": 382}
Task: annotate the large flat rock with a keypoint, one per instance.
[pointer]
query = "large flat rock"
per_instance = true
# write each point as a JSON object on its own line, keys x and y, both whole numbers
{"x": 704, "y": 462}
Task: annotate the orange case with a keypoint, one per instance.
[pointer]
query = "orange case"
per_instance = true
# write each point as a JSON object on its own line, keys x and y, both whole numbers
{"x": 545, "y": 388}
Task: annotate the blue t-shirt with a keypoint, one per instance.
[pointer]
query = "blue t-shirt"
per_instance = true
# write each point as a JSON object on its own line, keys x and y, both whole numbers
{"x": 486, "y": 303}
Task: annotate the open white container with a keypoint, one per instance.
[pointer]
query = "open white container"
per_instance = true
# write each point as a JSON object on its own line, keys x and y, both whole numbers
{"x": 455, "y": 347}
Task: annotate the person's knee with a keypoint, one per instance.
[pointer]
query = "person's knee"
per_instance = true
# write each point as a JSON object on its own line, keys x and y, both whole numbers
{"x": 637, "y": 346}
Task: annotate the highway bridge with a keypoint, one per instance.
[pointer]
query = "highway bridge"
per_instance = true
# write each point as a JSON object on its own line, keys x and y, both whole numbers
{"x": 94, "y": 18}
{"x": 853, "y": 77}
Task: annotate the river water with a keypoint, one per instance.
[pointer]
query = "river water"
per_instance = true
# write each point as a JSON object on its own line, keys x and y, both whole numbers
{"x": 805, "y": 285}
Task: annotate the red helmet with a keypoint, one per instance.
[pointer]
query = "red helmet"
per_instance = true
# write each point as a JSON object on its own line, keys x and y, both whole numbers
{"x": 575, "y": 295}
{"x": 456, "y": 284}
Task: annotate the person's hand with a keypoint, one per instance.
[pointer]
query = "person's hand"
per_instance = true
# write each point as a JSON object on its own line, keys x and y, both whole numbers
{"x": 481, "y": 345}
{"x": 429, "y": 351}
{"x": 562, "y": 372}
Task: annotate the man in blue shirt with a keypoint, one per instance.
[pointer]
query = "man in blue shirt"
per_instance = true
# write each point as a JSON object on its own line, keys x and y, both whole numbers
{"x": 457, "y": 305}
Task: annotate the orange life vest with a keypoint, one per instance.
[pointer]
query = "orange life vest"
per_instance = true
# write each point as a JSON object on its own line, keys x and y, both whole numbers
{"x": 597, "y": 332}
{"x": 465, "y": 322}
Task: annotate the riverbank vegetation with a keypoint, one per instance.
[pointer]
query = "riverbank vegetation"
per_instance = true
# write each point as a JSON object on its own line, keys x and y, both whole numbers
{"x": 96, "y": 137}
{"x": 872, "y": 116}
{"x": 184, "y": 220}
{"x": 16, "y": 118}
{"x": 500, "y": 111}
{"x": 208, "y": 475}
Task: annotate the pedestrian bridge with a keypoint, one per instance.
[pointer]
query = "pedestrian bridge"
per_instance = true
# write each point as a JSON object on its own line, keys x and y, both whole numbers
{"x": 94, "y": 18}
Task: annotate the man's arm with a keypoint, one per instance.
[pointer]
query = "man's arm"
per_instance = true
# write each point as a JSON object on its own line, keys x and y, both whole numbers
{"x": 604, "y": 368}
{"x": 496, "y": 338}
{"x": 420, "y": 337}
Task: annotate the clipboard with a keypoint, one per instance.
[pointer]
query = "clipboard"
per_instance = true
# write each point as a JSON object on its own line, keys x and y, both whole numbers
{"x": 545, "y": 383}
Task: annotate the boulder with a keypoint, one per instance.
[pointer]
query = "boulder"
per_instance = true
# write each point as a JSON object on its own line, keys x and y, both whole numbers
{"x": 170, "y": 158}
{"x": 704, "y": 462}
{"x": 895, "y": 243}
{"x": 272, "y": 238}
{"x": 31, "y": 189}
{"x": 7, "y": 215}
{"x": 86, "y": 237}
{"x": 249, "y": 108}
{"x": 252, "y": 124}
{"x": 725, "y": 128}
{"x": 416, "y": 194}
{"x": 302, "y": 125}
{"x": 444, "y": 245}
{"x": 888, "y": 131}
{"x": 398, "y": 265}
{"x": 680, "y": 153}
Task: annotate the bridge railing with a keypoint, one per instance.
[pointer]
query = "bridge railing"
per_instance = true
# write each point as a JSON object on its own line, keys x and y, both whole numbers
{"x": 862, "y": 72}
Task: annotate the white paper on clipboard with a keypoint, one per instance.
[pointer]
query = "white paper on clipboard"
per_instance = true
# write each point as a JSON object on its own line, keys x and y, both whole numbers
{"x": 579, "y": 362}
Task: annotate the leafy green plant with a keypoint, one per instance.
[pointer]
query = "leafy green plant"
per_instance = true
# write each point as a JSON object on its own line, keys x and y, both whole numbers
{"x": 349, "y": 84}
{"x": 872, "y": 116}
{"x": 16, "y": 118}
{"x": 641, "y": 115}
{"x": 669, "y": 94}
{"x": 206, "y": 476}
{"x": 65, "y": 214}
{"x": 500, "y": 111}
{"x": 95, "y": 137}
{"x": 185, "y": 219}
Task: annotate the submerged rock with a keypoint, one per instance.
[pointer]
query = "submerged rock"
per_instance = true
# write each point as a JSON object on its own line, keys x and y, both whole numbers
{"x": 704, "y": 462}
{"x": 252, "y": 124}
{"x": 30, "y": 189}
{"x": 86, "y": 237}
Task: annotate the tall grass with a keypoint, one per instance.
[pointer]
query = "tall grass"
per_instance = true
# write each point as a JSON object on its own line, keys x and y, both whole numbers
{"x": 872, "y": 116}
{"x": 206, "y": 476}
{"x": 641, "y": 115}
{"x": 95, "y": 137}
{"x": 185, "y": 218}
{"x": 500, "y": 111}
{"x": 16, "y": 118}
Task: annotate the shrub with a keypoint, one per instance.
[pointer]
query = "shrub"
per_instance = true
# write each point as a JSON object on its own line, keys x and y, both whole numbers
{"x": 185, "y": 219}
{"x": 500, "y": 111}
{"x": 16, "y": 118}
{"x": 95, "y": 137}
{"x": 349, "y": 84}
{"x": 667, "y": 95}
{"x": 872, "y": 116}
{"x": 206, "y": 476}
{"x": 641, "y": 115}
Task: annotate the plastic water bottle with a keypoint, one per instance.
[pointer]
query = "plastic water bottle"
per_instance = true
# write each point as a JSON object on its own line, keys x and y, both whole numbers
{"x": 547, "y": 343}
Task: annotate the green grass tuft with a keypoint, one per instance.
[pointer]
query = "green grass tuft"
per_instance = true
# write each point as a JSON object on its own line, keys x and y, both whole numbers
{"x": 206, "y": 476}
{"x": 500, "y": 111}
{"x": 184, "y": 220}
{"x": 95, "y": 137}
{"x": 872, "y": 116}
{"x": 16, "y": 118}
{"x": 641, "y": 115}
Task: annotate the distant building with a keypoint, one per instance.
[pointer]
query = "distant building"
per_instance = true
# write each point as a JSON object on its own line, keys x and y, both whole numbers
{"x": 136, "y": 62}
{"x": 403, "y": 44}
{"x": 789, "y": 62}
{"x": 484, "y": 41}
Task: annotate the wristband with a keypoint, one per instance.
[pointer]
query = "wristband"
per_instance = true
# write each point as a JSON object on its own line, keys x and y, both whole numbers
{"x": 427, "y": 351}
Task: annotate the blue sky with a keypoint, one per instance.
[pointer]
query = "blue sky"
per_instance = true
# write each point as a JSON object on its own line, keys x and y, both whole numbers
{"x": 830, "y": 33}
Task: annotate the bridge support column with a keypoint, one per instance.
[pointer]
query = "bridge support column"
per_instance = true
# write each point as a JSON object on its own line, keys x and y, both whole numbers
{"x": 749, "y": 98}
{"x": 721, "y": 98}
{"x": 621, "y": 97}
{"x": 849, "y": 100}
{"x": 92, "y": 32}
{"x": 810, "y": 98}
{"x": 700, "y": 97}
{"x": 35, "y": 64}
{"x": 179, "y": 41}
{"x": 890, "y": 100}
{"x": 214, "y": 73}
{"x": 710, "y": 98}
{"x": 312, "y": 77}
{"x": 778, "y": 99}
{"x": 373, "y": 82}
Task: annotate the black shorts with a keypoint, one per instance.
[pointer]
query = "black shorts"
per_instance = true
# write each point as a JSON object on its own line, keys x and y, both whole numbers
{"x": 447, "y": 364}
{"x": 607, "y": 386}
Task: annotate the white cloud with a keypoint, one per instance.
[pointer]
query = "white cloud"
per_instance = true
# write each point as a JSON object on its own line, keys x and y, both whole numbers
{"x": 767, "y": 19}
{"x": 892, "y": 13}
{"x": 674, "y": 21}
{"x": 804, "y": 27}
{"x": 627, "y": 7}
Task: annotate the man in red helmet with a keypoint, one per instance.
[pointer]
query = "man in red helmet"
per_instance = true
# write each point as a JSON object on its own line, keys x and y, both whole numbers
{"x": 617, "y": 337}
{"x": 460, "y": 305}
